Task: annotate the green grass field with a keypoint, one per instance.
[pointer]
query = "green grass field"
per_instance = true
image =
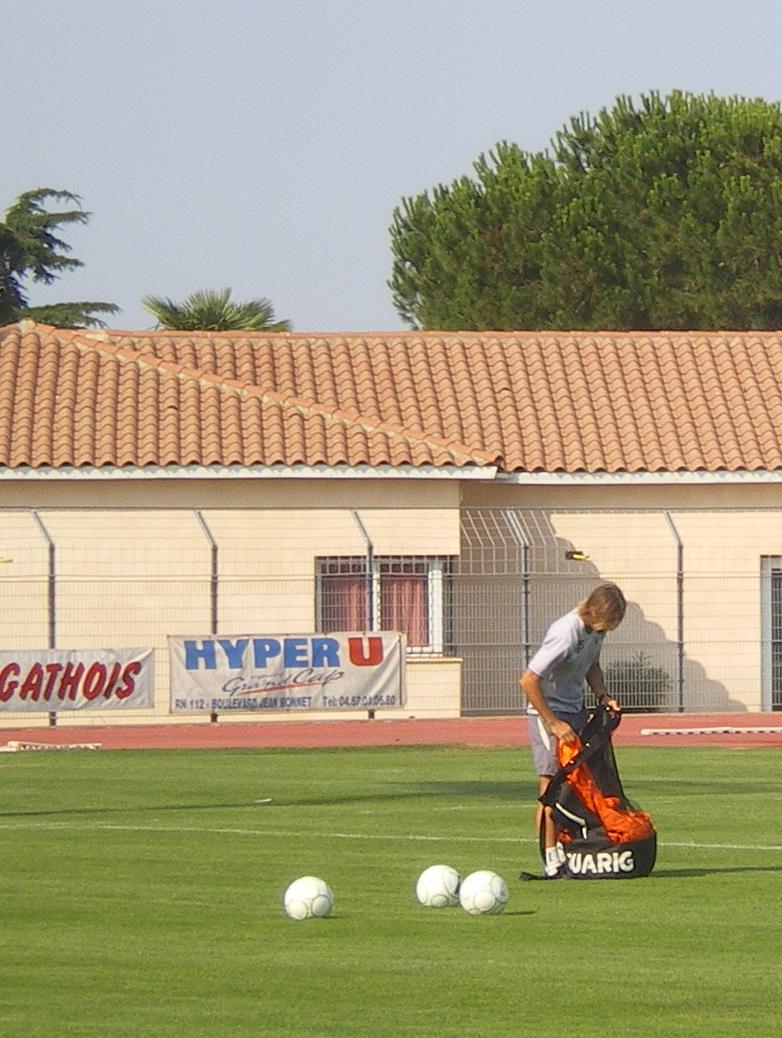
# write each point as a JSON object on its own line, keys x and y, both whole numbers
{"x": 142, "y": 896}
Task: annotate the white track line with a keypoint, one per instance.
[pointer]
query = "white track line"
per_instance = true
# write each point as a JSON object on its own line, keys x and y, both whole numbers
{"x": 728, "y": 730}
{"x": 407, "y": 837}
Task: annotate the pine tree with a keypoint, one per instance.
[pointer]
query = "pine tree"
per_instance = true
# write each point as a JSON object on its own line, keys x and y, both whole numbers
{"x": 666, "y": 213}
{"x": 30, "y": 249}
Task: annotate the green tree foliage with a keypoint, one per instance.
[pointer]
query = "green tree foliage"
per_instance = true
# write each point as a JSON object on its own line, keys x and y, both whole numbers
{"x": 214, "y": 311}
{"x": 660, "y": 214}
{"x": 30, "y": 249}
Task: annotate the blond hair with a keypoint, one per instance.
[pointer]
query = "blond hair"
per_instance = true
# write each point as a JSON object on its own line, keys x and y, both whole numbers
{"x": 605, "y": 606}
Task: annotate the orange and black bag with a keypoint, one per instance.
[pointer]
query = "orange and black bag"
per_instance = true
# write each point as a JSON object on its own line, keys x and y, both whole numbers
{"x": 603, "y": 834}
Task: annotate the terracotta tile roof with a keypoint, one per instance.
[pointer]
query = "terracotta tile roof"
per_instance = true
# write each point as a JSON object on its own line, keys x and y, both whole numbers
{"x": 532, "y": 402}
{"x": 73, "y": 399}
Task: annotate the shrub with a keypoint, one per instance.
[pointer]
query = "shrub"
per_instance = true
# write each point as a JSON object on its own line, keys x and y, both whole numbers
{"x": 638, "y": 684}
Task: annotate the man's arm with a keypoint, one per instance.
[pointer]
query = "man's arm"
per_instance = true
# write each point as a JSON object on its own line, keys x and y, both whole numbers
{"x": 529, "y": 683}
{"x": 596, "y": 681}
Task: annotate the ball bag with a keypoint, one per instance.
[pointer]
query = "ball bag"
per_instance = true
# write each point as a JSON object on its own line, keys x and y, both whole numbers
{"x": 604, "y": 836}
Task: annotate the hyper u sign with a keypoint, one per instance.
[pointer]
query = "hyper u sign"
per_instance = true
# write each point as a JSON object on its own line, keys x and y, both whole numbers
{"x": 296, "y": 672}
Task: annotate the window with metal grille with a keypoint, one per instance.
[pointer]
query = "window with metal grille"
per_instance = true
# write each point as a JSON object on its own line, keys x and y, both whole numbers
{"x": 771, "y": 574}
{"x": 410, "y": 594}
{"x": 776, "y": 639}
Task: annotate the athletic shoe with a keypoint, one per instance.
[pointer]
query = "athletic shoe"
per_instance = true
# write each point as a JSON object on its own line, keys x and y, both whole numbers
{"x": 561, "y": 873}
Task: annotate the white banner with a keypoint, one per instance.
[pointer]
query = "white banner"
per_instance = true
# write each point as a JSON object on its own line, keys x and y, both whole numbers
{"x": 76, "y": 679}
{"x": 297, "y": 672}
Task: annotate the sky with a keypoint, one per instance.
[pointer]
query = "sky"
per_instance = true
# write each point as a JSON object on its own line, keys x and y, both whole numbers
{"x": 263, "y": 145}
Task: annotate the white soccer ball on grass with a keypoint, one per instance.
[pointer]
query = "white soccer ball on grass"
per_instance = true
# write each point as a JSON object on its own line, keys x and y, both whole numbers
{"x": 308, "y": 897}
{"x": 438, "y": 887}
{"x": 483, "y": 893}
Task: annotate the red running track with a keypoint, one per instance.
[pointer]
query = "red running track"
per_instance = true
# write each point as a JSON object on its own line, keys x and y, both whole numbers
{"x": 462, "y": 731}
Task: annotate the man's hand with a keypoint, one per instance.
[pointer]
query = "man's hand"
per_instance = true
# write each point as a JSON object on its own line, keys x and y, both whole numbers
{"x": 562, "y": 731}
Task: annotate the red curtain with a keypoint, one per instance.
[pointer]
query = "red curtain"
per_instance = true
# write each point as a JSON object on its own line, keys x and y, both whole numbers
{"x": 404, "y": 601}
{"x": 404, "y": 606}
{"x": 345, "y": 603}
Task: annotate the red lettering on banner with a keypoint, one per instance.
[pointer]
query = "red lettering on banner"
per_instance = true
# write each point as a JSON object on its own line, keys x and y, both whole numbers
{"x": 69, "y": 685}
{"x": 8, "y": 687}
{"x": 55, "y": 682}
{"x": 360, "y": 658}
{"x": 31, "y": 686}
{"x": 53, "y": 670}
{"x": 112, "y": 681}
{"x": 128, "y": 676}
{"x": 94, "y": 681}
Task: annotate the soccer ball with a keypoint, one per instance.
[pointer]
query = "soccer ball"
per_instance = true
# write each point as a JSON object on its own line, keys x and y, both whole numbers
{"x": 308, "y": 898}
{"x": 438, "y": 887}
{"x": 483, "y": 893}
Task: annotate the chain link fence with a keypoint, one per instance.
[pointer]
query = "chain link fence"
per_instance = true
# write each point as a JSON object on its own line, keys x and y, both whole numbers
{"x": 703, "y": 631}
{"x": 695, "y": 638}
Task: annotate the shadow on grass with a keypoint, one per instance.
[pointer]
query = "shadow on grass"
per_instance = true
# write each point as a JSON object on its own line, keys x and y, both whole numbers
{"x": 699, "y": 872}
{"x": 127, "y": 809}
{"x": 699, "y": 788}
{"x": 468, "y": 790}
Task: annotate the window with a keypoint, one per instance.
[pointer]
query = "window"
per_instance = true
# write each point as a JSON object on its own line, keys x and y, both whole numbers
{"x": 771, "y": 591}
{"x": 388, "y": 594}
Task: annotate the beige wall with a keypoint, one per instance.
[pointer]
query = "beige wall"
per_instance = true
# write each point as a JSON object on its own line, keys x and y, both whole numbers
{"x": 129, "y": 573}
{"x": 682, "y": 496}
{"x": 133, "y": 565}
{"x": 725, "y": 531}
{"x": 723, "y": 624}
{"x": 229, "y": 493}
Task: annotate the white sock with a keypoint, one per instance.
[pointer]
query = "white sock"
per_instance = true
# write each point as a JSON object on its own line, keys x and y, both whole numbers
{"x": 552, "y": 861}
{"x": 561, "y": 854}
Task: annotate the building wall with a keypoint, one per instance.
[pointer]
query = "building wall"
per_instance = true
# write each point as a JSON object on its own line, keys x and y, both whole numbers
{"x": 133, "y": 564}
{"x": 632, "y": 536}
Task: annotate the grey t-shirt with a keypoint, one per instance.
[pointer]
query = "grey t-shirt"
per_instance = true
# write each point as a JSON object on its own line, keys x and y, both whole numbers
{"x": 562, "y": 661}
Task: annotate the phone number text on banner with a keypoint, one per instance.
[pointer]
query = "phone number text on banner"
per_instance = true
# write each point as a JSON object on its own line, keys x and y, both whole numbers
{"x": 76, "y": 679}
{"x": 299, "y": 672}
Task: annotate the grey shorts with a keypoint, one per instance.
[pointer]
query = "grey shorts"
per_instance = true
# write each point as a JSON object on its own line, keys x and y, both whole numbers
{"x": 544, "y": 745}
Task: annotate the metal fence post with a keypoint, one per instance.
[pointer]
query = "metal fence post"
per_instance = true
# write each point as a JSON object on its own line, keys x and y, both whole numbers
{"x": 370, "y": 586}
{"x": 679, "y": 610}
{"x": 520, "y": 538}
{"x": 214, "y": 580}
{"x": 51, "y": 596}
{"x": 372, "y": 619}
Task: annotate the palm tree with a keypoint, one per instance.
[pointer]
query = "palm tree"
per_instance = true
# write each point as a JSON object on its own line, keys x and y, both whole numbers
{"x": 30, "y": 249}
{"x": 213, "y": 311}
